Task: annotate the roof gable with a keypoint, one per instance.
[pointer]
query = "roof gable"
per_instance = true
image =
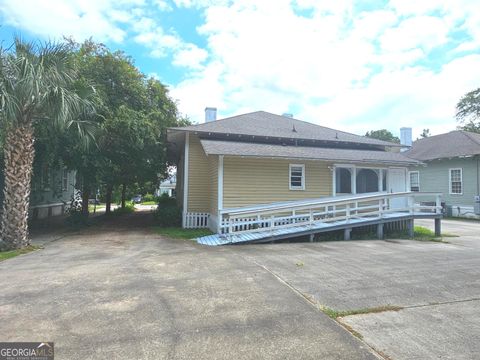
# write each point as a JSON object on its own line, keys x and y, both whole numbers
{"x": 452, "y": 144}
{"x": 264, "y": 124}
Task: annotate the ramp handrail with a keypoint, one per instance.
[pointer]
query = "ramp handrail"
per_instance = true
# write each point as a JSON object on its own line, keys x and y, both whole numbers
{"x": 304, "y": 212}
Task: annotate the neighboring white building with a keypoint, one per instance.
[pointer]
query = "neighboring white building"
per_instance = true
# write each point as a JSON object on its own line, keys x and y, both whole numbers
{"x": 168, "y": 186}
{"x": 52, "y": 191}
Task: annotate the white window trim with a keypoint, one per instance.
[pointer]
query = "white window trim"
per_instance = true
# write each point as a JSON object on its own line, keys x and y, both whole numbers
{"x": 450, "y": 181}
{"x": 409, "y": 179}
{"x": 290, "y": 177}
{"x": 65, "y": 184}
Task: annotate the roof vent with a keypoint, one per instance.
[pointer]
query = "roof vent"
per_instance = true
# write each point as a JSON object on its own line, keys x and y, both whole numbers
{"x": 287, "y": 115}
{"x": 210, "y": 114}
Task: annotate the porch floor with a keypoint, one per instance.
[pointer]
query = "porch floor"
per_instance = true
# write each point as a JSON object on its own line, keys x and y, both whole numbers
{"x": 316, "y": 227}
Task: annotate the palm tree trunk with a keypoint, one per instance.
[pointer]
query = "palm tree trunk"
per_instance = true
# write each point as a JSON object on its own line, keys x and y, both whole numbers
{"x": 19, "y": 153}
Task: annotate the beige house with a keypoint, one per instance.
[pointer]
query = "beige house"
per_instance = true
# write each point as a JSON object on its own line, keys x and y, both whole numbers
{"x": 261, "y": 158}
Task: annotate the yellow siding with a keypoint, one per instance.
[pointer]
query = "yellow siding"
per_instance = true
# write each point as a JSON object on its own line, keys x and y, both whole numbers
{"x": 249, "y": 181}
{"x": 213, "y": 176}
{"x": 198, "y": 177}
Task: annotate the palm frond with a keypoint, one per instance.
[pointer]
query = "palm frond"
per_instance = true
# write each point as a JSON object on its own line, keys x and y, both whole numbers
{"x": 38, "y": 82}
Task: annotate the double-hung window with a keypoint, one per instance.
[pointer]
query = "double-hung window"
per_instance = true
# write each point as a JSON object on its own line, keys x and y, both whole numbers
{"x": 65, "y": 180}
{"x": 297, "y": 177}
{"x": 414, "y": 178}
{"x": 456, "y": 181}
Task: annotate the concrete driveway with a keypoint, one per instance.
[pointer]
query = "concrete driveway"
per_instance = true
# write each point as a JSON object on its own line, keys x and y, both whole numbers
{"x": 437, "y": 286}
{"x": 124, "y": 293}
{"x": 117, "y": 292}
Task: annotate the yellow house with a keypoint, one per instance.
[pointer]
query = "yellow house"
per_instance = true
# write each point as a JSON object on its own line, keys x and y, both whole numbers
{"x": 262, "y": 158}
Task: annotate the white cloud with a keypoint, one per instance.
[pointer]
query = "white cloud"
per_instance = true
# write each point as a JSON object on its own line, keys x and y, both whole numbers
{"x": 329, "y": 62}
{"x": 163, "y": 5}
{"x": 78, "y": 18}
{"x": 425, "y": 32}
{"x": 190, "y": 56}
{"x": 353, "y": 71}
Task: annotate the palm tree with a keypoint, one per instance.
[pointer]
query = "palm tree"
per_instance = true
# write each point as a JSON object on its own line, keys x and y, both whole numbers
{"x": 37, "y": 84}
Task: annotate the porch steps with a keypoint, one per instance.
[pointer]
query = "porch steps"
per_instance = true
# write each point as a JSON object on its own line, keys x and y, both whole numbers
{"x": 307, "y": 229}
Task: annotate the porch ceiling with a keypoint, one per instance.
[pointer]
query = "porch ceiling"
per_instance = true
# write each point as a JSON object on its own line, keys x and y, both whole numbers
{"x": 232, "y": 148}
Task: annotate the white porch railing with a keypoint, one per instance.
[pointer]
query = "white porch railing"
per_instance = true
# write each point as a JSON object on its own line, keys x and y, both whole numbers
{"x": 340, "y": 208}
{"x": 195, "y": 220}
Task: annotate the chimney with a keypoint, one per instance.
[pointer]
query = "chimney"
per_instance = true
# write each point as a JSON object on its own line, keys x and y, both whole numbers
{"x": 210, "y": 114}
{"x": 287, "y": 115}
{"x": 406, "y": 137}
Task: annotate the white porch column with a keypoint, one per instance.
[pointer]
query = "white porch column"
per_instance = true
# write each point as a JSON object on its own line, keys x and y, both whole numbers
{"x": 334, "y": 180}
{"x": 185, "y": 180}
{"x": 380, "y": 179}
{"x": 353, "y": 170}
{"x": 220, "y": 192}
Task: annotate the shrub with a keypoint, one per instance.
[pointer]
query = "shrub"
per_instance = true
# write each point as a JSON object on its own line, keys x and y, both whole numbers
{"x": 149, "y": 197}
{"x": 168, "y": 214}
{"x": 128, "y": 209}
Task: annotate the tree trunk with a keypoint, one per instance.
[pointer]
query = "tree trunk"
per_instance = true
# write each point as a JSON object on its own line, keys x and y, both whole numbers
{"x": 108, "y": 199}
{"x": 124, "y": 190}
{"x": 85, "y": 197}
{"x": 18, "y": 167}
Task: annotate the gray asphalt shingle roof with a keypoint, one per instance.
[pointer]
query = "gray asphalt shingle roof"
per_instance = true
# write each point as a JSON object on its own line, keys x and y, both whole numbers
{"x": 217, "y": 147}
{"x": 448, "y": 145}
{"x": 261, "y": 123}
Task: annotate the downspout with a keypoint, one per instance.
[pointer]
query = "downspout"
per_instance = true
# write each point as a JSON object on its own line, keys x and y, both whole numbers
{"x": 478, "y": 175}
{"x": 220, "y": 193}
{"x": 185, "y": 181}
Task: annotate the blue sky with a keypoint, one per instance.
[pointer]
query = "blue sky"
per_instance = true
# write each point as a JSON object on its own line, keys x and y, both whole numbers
{"x": 351, "y": 65}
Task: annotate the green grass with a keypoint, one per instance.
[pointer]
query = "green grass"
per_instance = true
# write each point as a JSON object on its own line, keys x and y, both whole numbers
{"x": 4, "y": 255}
{"x": 334, "y": 314}
{"x": 421, "y": 233}
{"x": 179, "y": 233}
{"x": 149, "y": 203}
{"x": 128, "y": 209}
{"x": 99, "y": 207}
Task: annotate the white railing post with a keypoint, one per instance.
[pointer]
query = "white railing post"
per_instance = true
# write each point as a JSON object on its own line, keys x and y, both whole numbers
{"x": 411, "y": 204}
{"x": 438, "y": 204}
{"x": 272, "y": 221}
{"x": 347, "y": 212}
{"x": 380, "y": 208}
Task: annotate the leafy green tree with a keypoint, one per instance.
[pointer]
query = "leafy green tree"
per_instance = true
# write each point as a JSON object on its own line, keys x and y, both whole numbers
{"x": 37, "y": 85}
{"x": 468, "y": 111}
{"x": 382, "y": 134}
{"x": 425, "y": 133}
{"x": 133, "y": 117}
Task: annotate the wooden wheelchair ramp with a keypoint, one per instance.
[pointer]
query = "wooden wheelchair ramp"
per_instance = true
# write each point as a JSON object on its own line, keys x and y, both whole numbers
{"x": 279, "y": 221}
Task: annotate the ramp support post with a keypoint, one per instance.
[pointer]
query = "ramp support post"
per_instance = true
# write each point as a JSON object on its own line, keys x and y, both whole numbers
{"x": 410, "y": 228}
{"x": 380, "y": 231}
{"x": 438, "y": 227}
{"x": 346, "y": 234}
{"x": 312, "y": 237}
